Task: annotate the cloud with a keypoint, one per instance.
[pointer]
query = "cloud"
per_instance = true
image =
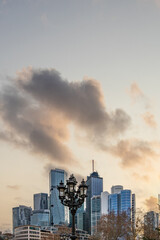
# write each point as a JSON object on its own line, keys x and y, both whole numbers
{"x": 137, "y": 95}
{"x": 37, "y": 107}
{"x": 13, "y": 187}
{"x": 151, "y": 204}
{"x": 143, "y": 178}
{"x": 149, "y": 119}
{"x": 135, "y": 92}
{"x": 133, "y": 152}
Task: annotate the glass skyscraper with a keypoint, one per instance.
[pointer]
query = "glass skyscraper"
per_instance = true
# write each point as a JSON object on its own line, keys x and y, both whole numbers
{"x": 95, "y": 187}
{"x": 40, "y": 218}
{"x": 95, "y": 212}
{"x": 114, "y": 203}
{"x": 21, "y": 216}
{"x": 123, "y": 201}
{"x": 40, "y": 201}
{"x": 126, "y": 202}
{"x": 59, "y": 214}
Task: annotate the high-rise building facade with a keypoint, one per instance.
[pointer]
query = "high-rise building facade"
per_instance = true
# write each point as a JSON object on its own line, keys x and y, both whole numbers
{"x": 40, "y": 218}
{"x": 59, "y": 214}
{"x": 95, "y": 212}
{"x": 114, "y": 203}
{"x": 95, "y": 187}
{"x": 126, "y": 202}
{"x": 123, "y": 201}
{"x": 151, "y": 221}
{"x": 104, "y": 202}
{"x": 40, "y": 201}
{"x": 116, "y": 189}
{"x": 133, "y": 209}
{"x": 21, "y": 216}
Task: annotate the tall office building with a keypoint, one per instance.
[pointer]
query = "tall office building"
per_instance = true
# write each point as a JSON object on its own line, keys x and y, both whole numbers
{"x": 151, "y": 220}
{"x": 104, "y": 202}
{"x": 59, "y": 214}
{"x": 40, "y": 218}
{"x": 133, "y": 209}
{"x": 95, "y": 212}
{"x": 114, "y": 203}
{"x": 116, "y": 189}
{"x": 123, "y": 201}
{"x": 40, "y": 201}
{"x": 126, "y": 202}
{"x": 95, "y": 187}
{"x": 21, "y": 216}
{"x": 80, "y": 218}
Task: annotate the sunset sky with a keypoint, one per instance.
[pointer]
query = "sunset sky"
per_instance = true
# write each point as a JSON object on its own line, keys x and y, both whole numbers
{"x": 79, "y": 80}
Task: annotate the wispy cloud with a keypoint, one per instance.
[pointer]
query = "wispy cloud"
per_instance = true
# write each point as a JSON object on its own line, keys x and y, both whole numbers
{"x": 13, "y": 187}
{"x": 151, "y": 204}
{"x": 149, "y": 119}
{"x": 133, "y": 152}
{"x": 143, "y": 178}
{"x": 137, "y": 95}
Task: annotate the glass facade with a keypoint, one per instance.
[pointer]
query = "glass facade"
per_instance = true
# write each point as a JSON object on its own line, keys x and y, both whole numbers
{"x": 58, "y": 213}
{"x": 95, "y": 212}
{"x": 40, "y": 201}
{"x": 114, "y": 203}
{"x": 40, "y": 218}
{"x": 95, "y": 187}
{"x": 126, "y": 201}
{"x": 21, "y": 216}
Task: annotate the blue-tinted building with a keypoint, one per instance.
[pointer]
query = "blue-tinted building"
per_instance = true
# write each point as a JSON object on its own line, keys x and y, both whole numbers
{"x": 95, "y": 187}
{"x": 114, "y": 203}
{"x": 21, "y": 216}
{"x": 95, "y": 212}
{"x": 40, "y": 218}
{"x": 59, "y": 214}
{"x": 40, "y": 201}
{"x": 123, "y": 201}
{"x": 126, "y": 201}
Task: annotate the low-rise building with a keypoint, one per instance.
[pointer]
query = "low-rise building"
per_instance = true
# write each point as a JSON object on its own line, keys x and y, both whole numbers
{"x": 30, "y": 232}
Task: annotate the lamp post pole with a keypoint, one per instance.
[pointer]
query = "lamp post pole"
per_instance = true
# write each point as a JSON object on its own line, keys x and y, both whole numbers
{"x": 72, "y": 197}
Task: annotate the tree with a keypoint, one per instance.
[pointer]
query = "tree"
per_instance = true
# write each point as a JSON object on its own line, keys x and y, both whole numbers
{"x": 113, "y": 227}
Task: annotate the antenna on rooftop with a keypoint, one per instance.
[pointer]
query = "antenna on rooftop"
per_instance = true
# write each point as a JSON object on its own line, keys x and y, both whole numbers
{"x": 92, "y": 165}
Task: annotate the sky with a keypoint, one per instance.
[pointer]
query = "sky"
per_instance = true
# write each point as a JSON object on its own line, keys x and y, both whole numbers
{"x": 79, "y": 80}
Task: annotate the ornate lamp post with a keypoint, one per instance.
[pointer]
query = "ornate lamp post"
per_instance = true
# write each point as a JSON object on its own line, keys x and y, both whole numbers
{"x": 72, "y": 197}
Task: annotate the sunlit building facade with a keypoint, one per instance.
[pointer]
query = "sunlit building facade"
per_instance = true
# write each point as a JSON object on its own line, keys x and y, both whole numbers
{"x": 59, "y": 214}
{"x": 95, "y": 187}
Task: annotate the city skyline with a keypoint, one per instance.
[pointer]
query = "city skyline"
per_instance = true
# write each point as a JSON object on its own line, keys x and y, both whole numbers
{"x": 79, "y": 80}
{"x": 49, "y": 212}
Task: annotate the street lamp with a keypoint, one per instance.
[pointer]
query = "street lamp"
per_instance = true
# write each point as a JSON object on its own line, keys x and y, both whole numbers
{"x": 72, "y": 197}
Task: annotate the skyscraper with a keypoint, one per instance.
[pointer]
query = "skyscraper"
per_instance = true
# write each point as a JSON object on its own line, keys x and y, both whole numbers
{"x": 40, "y": 217}
{"x": 116, "y": 189}
{"x": 126, "y": 202}
{"x": 104, "y": 202}
{"x": 95, "y": 212}
{"x": 21, "y": 216}
{"x": 114, "y": 203}
{"x": 40, "y": 201}
{"x": 59, "y": 214}
{"x": 95, "y": 187}
{"x": 123, "y": 201}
